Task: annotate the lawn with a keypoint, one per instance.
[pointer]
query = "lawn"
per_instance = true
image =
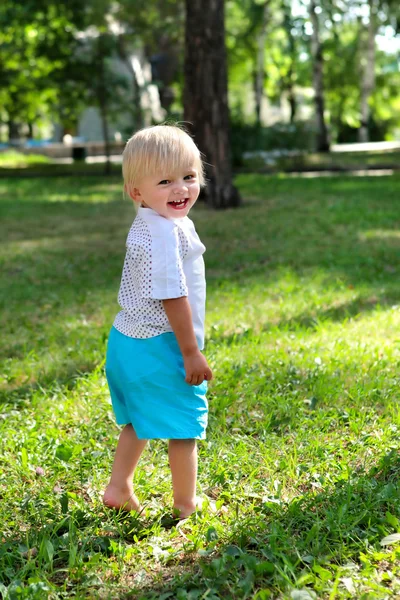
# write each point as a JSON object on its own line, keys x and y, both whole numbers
{"x": 301, "y": 465}
{"x": 328, "y": 161}
{"x": 16, "y": 164}
{"x": 12, "y": 159}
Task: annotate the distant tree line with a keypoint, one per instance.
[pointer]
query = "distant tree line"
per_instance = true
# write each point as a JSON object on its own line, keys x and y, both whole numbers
{"x": 55, "y": 59}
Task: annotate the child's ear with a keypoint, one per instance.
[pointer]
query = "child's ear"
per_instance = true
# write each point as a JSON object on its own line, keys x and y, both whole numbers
{"x": 133, "y": 192}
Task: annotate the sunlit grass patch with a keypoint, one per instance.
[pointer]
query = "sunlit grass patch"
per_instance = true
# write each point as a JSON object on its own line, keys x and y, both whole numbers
{"x": 301, "y": 461}
{"x": 13, "y": 158}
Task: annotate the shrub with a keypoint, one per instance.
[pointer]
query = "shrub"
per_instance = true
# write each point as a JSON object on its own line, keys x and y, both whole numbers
{"x": 281, "y": 138}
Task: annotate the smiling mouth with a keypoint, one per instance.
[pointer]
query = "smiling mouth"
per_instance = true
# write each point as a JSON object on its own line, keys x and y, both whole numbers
{"x": 179, "y": 204}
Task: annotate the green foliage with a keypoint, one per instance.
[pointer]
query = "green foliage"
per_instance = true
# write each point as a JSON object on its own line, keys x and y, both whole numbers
{"x": 342, "y": 83}
{"x": 284, "y": 43}
{"x": 156, "y": 24}
{"x": 301, "y": 461}
{"x": 288, "y": 63}
{"x": 36, "y": 39}
{"x": 49, "y": 59}
{"x": 279, "y": 138}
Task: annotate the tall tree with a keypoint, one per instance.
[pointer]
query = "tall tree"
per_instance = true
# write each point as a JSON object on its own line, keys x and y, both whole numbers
{"x": 318, "y": 80}
{"x": 157, "y": 27}
{"x": 289, "y": 74}
{"x": 259, "y": 71}
{"x": 36, "y": 39}
{"x": 206, "y": 97}
{"x": 368, "y": 53}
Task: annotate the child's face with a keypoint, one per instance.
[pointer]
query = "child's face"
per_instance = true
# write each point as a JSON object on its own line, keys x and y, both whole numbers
{"x": 171, "y": 197}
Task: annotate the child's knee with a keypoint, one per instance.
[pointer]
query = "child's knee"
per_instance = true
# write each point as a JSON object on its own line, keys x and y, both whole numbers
{"x": 184, "y": 443}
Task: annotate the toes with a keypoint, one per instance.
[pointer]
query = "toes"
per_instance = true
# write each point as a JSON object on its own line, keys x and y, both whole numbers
{"x": 118, "y": 502}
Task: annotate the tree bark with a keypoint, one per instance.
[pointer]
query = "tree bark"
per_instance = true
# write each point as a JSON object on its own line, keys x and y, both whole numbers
{"x": 292, "y": 99}
{"x": 206, "y": 97}
{"x": 318, "y": 83}
{"x": 106, "y": 136}
{"x": 292, "y": 51}
{"x": 368, "y": 51}
{"x": 13, "y": 132}
{"x": 259, "y": 75}
{"x": 103, "y": 104}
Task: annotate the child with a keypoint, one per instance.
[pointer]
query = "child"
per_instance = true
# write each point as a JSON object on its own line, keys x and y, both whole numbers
{"x": 156, "y": 372}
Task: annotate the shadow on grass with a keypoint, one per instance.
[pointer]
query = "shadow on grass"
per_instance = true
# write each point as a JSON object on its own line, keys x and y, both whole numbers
{"x": 312, "y": 320}
{"x": 51, "y": 382}
{"x": 301, "y": 226}
{"x": 310, "y": 542}
{"x": 79, "y": 265}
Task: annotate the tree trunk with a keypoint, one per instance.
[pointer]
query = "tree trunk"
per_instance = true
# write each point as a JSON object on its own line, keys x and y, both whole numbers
{"x": 103, "y": 104}
{"x": 318, "y": 83}
{"x": 206, "y": 97}
{"x": 367, "y": 72}
{"x": 259, "y": 75}
{"x": 339, "y": 117}
{"x": 104, "y": 124}
{"x": 288, "y": 81}
{"x": 13, "y": 132}
{"x": 292, "y": 101}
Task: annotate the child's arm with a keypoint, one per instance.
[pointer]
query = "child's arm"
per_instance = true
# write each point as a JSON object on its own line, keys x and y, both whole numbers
{"x": 180, "y": 317}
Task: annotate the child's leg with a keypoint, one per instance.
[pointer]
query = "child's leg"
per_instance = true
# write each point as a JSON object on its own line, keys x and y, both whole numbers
{"x": 183, "y": 463}
{"x": 119, "y": 492}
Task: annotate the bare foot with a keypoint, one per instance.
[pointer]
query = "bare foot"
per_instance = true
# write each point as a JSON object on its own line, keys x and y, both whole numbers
{"x": 184, "y": 511}
{"x": 121, "y": 499}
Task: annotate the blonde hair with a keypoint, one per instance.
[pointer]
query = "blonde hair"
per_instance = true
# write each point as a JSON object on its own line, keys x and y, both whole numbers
{"x": 164, "y": 149}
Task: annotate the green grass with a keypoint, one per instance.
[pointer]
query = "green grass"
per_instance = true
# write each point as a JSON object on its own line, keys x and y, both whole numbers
{"x": 302, "y": 454}
{"x": 47, "y": 168}
{"x": 16, "y": 164}
{"x": 14, "y": 159}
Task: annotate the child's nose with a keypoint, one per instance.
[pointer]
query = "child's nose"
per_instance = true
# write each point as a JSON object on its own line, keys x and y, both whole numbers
{"x": 180, "y": 186}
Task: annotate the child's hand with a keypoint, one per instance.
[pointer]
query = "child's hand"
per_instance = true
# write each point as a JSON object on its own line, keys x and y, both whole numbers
{"x": 196, "y": 369}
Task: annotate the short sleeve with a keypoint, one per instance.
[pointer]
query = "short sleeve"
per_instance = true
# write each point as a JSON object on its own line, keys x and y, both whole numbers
{"x": 161, "y": 275}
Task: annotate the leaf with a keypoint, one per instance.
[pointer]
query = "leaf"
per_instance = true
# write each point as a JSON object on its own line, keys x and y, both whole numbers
{"x": 263, "y": 595}
{"x": 232, "y": 551}
{"x": 211, "y": 534}
{"x": 392, "y": 520}
{"x": 246, "y": 583}
{"x": 73, "y": 551}
{"x": 64, "y": 503}
{"x": 389, "y": 491}
{"x": 64, "y": 452}
{"x": 49, "y": 549}
{"x": 24, "y": 458}
{"x": 265, "y": 567}
{"x": 390, "y": 539}
{"x": 324, "y": 574}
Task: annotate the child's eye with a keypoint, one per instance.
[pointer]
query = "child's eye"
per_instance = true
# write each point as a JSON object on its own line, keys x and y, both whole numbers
{"x": 163, "y": 182}
{"x": 189, "y": 177}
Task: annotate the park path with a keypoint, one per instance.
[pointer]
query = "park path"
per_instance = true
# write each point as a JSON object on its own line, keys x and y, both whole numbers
{"x": 367, "y": 147}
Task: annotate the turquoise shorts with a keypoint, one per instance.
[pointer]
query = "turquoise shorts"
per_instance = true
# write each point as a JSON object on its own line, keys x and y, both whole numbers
{"x": 147, "y": 384}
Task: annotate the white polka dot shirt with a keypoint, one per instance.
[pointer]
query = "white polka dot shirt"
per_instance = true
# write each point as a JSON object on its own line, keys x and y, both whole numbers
{"x": 164, "y": 259}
